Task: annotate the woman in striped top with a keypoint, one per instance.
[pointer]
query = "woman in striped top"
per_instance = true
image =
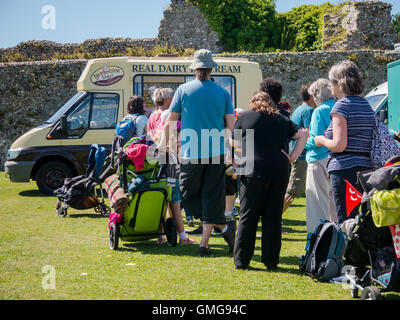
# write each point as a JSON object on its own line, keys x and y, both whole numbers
{"x": 349, "y": 135}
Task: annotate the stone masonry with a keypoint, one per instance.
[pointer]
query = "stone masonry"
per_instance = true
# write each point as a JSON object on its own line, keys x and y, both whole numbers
{"x": 360, "y": 25}
{"x": 184, "y": 26}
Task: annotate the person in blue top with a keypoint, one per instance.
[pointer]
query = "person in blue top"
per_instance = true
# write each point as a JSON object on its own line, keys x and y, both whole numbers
{"x": 205, "y": 111}
{"x": 349, "y": 135}
{"x": 319, "y": 201}
{"x": 302, "y": 117}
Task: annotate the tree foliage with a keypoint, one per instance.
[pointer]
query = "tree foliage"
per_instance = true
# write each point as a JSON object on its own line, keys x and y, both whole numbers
{"x": 242, "y": 25}
{"x": 255, "y": 26}
{"x": 302, "y": 27}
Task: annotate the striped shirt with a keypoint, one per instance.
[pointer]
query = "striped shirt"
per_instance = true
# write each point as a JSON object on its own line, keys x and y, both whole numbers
{"x": 360, "y": 123}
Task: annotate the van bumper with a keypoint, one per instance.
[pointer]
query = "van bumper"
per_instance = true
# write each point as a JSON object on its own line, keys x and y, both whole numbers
{"x": 19, "y": 171}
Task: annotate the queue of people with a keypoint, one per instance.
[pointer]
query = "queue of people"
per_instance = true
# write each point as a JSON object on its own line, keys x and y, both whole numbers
{"x": 324, "y": 142}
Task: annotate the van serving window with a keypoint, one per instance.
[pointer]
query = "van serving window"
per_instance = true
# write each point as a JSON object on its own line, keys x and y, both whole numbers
{"x": 145, "y": 85}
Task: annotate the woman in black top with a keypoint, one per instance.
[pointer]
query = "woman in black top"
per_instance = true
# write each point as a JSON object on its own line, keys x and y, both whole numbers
{"x": 263, "y": 186}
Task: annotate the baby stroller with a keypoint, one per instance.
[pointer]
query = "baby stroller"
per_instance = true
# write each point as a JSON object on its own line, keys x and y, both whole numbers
{"x": 80, "y": 192}
{"x": 147, "y": 195}
{"x": 370, "y": 249}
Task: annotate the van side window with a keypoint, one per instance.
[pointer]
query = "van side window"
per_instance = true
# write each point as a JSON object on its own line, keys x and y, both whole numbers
{"x": 95, "y": 111}
{"x": 78, "y": 120}
{"x": 104, "y": 111}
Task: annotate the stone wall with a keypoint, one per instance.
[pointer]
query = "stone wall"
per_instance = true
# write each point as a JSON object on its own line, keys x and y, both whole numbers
{"x": 30, "y": 92}
{"x": 50, "y": 50}
{"x": 360, "y": 25}
{"x": 184, "y": 26}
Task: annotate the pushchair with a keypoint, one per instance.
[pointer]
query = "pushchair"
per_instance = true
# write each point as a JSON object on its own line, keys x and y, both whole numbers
{"x": 81, "y": 192}
{"x": 372, "y": 266}
{"x": 148, "y": 193}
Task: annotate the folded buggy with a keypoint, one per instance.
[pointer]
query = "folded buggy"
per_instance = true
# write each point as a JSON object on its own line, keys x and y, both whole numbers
{"x": 371, "y": 254}
{"x": 80, "y": 192}
{"x": 139, "y": 194}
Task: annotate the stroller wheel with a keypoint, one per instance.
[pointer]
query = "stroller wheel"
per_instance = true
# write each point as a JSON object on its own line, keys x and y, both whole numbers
{"x": 371, "y": 293}
{"x": 62, "y": 210}
{"x": 113, "y": 236}
{"x": 105, "y": 211}
{"x": 354, "y": 293}
{"x": 171, "y": 233}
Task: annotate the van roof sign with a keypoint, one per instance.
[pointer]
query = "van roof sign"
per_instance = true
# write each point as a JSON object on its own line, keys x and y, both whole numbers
{"x": 179, "y": 68}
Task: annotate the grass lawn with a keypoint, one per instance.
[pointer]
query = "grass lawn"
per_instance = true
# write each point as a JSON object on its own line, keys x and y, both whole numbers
{"x": 32, "y": 236}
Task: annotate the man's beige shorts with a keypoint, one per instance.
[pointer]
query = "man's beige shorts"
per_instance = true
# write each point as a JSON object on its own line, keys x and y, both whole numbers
{"x": 297, "y": 180}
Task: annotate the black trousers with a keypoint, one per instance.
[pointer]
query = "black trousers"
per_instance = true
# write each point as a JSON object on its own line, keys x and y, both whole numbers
{"x": 260, "y": 199}
{"x": 203, "y": 191}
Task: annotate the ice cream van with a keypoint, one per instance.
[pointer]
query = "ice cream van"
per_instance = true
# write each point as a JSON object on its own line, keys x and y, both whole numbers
{"x": 59, "y": 147}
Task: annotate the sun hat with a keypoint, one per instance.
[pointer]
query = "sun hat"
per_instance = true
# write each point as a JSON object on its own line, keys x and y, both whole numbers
{"x": 203, "y": 60}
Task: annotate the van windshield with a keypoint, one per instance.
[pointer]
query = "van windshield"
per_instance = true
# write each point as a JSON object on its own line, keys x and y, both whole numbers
{"x": 375, "y": 101}
{"x": 65, "y": 107}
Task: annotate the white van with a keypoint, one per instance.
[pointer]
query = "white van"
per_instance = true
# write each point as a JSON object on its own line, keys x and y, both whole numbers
{"x": 59, "y": 147}
{"x": 378, "y": 99}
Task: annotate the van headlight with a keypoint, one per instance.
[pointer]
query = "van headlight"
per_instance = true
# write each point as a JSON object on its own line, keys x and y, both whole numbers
{"x": 13, "y": 153}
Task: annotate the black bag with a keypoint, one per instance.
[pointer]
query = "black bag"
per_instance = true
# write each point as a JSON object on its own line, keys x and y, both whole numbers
{"x": 324, "y": 251}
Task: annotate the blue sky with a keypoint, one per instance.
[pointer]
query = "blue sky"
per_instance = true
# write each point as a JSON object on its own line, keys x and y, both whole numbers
{"x": 78, "y": 20}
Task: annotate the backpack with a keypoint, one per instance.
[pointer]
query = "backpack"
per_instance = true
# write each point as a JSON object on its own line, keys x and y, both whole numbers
{"x": 126, "y": 128}
{"x": 324, "y": 250}
{"x": 384, "y": 146}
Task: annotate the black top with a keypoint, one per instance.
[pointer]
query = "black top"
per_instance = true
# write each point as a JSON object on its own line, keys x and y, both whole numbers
{"x": 271, "y": 135}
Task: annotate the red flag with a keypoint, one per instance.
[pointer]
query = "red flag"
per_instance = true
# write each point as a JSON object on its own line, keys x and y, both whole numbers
{"x": 353, "y": 197}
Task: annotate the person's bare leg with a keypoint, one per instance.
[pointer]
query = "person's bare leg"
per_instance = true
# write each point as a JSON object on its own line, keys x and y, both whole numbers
{"x": 207, "y": 229}
{"x": 229, "y": 202}
{"x": 175, "y": 209}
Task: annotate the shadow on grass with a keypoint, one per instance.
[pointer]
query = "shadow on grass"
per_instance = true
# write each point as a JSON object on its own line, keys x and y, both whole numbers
{"x": 34, "y": 194}
{"x": 151, "y": 247}
{"x": 391, "y": 296}
{"x": 85, "y": 215}
{"x": 297, "y": 205}
{"x": 288, "y": 261}
{"x": 289, "y": 222}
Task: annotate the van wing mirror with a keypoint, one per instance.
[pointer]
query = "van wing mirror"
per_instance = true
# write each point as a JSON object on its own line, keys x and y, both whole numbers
{"x": 383, "y": 115}
{"x": 63, "y": 125}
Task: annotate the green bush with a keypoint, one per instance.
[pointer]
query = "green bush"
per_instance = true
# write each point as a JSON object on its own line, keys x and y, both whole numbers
{"x": 302, "y": 27}
{"x": 248, "y": 25}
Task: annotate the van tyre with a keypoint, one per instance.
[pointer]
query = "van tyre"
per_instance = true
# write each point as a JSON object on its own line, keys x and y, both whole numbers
{"x": 51, "y": 175}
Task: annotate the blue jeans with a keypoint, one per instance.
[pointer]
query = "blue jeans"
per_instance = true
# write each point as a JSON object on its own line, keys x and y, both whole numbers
{"x": 338, "y": 178}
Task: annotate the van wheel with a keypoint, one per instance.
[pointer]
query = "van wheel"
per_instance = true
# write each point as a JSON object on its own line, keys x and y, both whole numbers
{"x": 51, "y": 175}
